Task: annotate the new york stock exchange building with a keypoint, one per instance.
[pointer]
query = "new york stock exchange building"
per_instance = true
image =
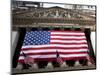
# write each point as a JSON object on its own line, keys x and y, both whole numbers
{"x": 49, "y": 37}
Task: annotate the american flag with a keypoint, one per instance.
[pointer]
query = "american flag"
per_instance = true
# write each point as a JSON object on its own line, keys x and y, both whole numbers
{"x": 27, "y": 59}
{"x": 42, "y": 45}
{"x": 59, "y": 59}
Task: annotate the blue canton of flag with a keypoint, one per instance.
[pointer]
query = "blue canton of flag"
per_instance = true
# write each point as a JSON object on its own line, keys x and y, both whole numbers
{"x": 37, "y": 38}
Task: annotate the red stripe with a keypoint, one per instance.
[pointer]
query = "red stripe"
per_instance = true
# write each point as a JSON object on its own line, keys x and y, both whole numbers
{"x": 54, "y": 53}
{"x": 67, "y": 35}
{"x": 39, "y": 53}
{"x": 68, "y": 39}
{"x": 74, "y": 58}
{"x": 72, "y": 52}
{"x": 40, "y": 59}
{"x": 54, "y": 48}
{"x": 68, "y": 43}
{"x": 54, "y": 59}
{"x": 66, "y": 31}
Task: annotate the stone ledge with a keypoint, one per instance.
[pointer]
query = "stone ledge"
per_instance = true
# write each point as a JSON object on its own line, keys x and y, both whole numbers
{"x": 16, "y": 71}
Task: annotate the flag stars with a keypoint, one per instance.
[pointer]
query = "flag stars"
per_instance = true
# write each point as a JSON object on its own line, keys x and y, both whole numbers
{"x": 37, "y": 38}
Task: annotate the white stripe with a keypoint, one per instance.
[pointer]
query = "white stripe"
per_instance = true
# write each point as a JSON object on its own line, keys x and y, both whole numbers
{"x": 69, "y": 33}
{"x": 69, "y": 41}
{"x": 54, "y": 56}
{"x": 73, "y": 55}
{"x": 40, "y": 56}
{"x": 74, "y": 50}
{"x": 68, "y": 37}
{"x": 54, "y": 50}
{"x": 54, "y": 45}
{"x": 40, "y": 51}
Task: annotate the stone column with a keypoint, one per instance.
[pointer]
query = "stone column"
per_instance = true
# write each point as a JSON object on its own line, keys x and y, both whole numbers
{"x": 49, "y": 65}
{"x": 19, "y": 66}
{"x": 34, "y": 66}
{"x": 89, "y": 63}
{"x": 64, "y": 64}
{"x": 77, "y": 63}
